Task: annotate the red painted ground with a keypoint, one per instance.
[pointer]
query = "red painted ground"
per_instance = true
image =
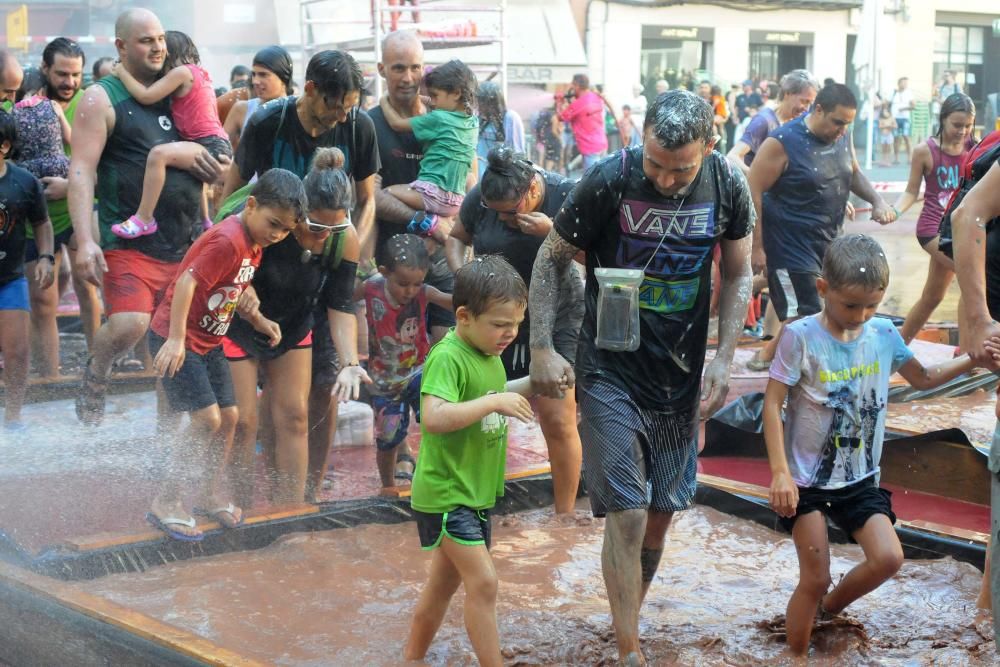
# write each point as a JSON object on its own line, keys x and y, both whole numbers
{"x": 908, "y": 505}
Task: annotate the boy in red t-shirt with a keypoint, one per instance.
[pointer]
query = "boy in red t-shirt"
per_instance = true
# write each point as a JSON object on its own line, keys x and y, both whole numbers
{"x": 186, "y": 338}
{"x": 396, "y": 305}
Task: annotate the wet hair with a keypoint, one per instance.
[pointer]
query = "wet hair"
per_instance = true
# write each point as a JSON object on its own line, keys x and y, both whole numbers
{"x": 32, "y": 82}
{"x": 406, "y": 250}
{"x": 678, "y": 117}
{"x": 98, "y": 64}
{"x": 335, "y": 74}
{"x": 180, "y": 51}
{"x": 327, "y": 186}
{"x": 62, "y": 46}
{"x": 856, "y": 260}
{"x": 954, "y": 103}
{"x": 507, "y": 176}
{"x": 281, "y": 189}
{"x": 486, "y": 280}
{"x": 239, "y": 70}
{"x": 796, "y": 82}
{"x": 277, "y": 60}
{"x": 836, "y": 95}
{"x": 716, "y": 90}
{"x": 581, "y": 80}
{"x": 492, "y": 108}
{"x": 828, "y": 80}
{"x": 8, "y": 132}
{"x": 454, "y": 77}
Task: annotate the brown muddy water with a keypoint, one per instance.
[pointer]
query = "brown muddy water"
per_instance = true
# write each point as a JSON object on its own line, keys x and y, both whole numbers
{"x": 343, "y": 597}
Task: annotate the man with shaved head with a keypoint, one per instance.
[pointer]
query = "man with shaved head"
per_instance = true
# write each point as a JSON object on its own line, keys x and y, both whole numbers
{"x": 112, "y": 137}
{"x": 10, "y": 78}
{"x": 402, "y": 67}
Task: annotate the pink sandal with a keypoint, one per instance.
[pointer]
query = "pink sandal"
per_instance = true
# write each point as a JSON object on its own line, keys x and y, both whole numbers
{"x": 133, "y": 228}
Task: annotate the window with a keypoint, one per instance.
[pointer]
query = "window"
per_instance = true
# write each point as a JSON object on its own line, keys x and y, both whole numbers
{"x": 960, "y": 49}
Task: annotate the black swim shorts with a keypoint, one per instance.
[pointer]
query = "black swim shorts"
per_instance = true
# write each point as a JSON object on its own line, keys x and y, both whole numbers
{"x": 463, "y": 525}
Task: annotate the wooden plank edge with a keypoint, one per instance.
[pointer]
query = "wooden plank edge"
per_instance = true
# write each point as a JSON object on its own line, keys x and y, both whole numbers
{"x": 88, "y": 543}
{"x": 134, "y": 622}
{"x": 404, "y": 491}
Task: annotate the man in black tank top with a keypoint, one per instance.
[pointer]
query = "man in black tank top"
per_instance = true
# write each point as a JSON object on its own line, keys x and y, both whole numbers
{"x": 112, "y": 137}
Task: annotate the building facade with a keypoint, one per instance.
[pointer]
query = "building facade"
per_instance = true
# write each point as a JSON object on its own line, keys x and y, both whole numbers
{"x": 724, "y": 42}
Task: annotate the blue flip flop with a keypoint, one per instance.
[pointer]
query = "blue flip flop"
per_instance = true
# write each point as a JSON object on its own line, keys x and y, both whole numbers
{"x": 165, "y": 523}
{"x": 213, "y": 514}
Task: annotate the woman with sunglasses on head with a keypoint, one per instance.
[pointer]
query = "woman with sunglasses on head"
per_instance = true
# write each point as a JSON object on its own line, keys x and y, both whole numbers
{"x": 271, "y": 79}
{"x": 308, "y": 276}
{"x": 509, "y": 213}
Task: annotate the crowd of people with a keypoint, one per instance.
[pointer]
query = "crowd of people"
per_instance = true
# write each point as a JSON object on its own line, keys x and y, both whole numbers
{"x": 282, "y": 252}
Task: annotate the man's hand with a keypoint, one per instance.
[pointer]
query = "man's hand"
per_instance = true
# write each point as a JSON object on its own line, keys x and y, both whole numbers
{"x": 56, "y": 187}
{"x": 348, "y": 385}
{"x": 209, "y": 170}
{"x": 90, "y": 263}
{"x": 44, "y": 273}
{"x": 882, "y": 213}
{"x": 514, "y": 405}
{"x": 714, "y": 387}
{"x": 784, "y": 495}
{"x": 551, "y": 374}
{"x": 534, "y": 224}
{"x": 758, "y": 260}
{"x": 170, "y": 358}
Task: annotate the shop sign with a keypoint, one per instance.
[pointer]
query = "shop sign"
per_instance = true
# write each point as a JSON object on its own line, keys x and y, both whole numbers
{"x": 678, "y": 32}
{"x": 787, "y": 37}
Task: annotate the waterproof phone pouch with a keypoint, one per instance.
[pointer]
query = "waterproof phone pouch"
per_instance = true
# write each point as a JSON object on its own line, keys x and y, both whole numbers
{"x": 618, "y": 309}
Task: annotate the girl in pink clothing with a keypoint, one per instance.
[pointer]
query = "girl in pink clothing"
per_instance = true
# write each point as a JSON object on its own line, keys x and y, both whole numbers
{"x": 194, "y": 111}
{"x": 937, "y": 161}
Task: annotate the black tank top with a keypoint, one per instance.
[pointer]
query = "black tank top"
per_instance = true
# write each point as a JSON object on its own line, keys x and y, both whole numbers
{"x": 120, "y": 173}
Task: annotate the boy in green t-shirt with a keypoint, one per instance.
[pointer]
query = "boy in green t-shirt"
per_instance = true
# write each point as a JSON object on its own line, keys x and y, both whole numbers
{"x": 465, "y": 402}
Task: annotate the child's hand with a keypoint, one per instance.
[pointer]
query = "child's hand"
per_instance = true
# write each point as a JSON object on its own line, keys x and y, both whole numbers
{"x": 784, "y": 496}
{"x": 513, "y": 405}
{"x": 992, "y": 346}
{"x": 170, "y": 358}
{"x": 116, "y": 70}
{"x": 270, "y": 329}
{"x": 348, "y": 385}
{"x": 44, "y": 273}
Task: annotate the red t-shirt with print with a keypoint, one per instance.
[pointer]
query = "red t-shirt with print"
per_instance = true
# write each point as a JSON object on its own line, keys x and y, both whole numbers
{"x": 222, "y": 261}
{"x": 397, "y": 338}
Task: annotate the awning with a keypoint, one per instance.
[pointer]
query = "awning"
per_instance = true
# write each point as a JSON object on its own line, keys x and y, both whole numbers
{"x": 543, "y": 42}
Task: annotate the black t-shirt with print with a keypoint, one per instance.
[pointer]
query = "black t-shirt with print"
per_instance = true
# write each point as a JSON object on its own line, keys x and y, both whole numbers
{"x": 401, "y": 154}
{"x": 22, "y": 203}
{"x": 270, "y": 140}
{"x": 491, "y": 235}
{"x": 616, "y": 216}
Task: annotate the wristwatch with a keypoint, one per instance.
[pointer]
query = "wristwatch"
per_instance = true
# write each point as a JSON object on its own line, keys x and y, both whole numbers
{"x": 48, "y": 256}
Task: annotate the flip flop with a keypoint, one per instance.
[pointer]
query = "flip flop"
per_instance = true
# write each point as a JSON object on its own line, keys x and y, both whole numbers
{"x": 213, "y": 514}
{"x": 402, "y": 474}
{"x": 165, "y": 523}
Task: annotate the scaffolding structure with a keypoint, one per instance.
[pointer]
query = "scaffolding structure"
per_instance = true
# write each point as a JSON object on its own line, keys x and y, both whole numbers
{"x": 385, "y": 11}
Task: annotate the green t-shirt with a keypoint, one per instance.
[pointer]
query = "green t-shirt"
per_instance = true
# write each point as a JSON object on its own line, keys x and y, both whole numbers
{"x": 463, "y": 468}
{"x": 59, "y": 208}
{"x": 449, "y": 142}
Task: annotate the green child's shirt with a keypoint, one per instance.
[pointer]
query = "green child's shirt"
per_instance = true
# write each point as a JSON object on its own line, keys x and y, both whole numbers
{"x": 465, "y": 467}
{"x": 449, "y": 141}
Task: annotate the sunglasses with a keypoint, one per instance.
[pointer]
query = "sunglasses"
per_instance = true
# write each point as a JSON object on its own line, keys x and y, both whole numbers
{"x": 317, "y": 228}
{"x": 513, "y": 211}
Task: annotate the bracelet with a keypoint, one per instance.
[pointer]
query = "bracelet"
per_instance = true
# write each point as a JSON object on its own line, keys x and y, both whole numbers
{"x": 48, "y": 256}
